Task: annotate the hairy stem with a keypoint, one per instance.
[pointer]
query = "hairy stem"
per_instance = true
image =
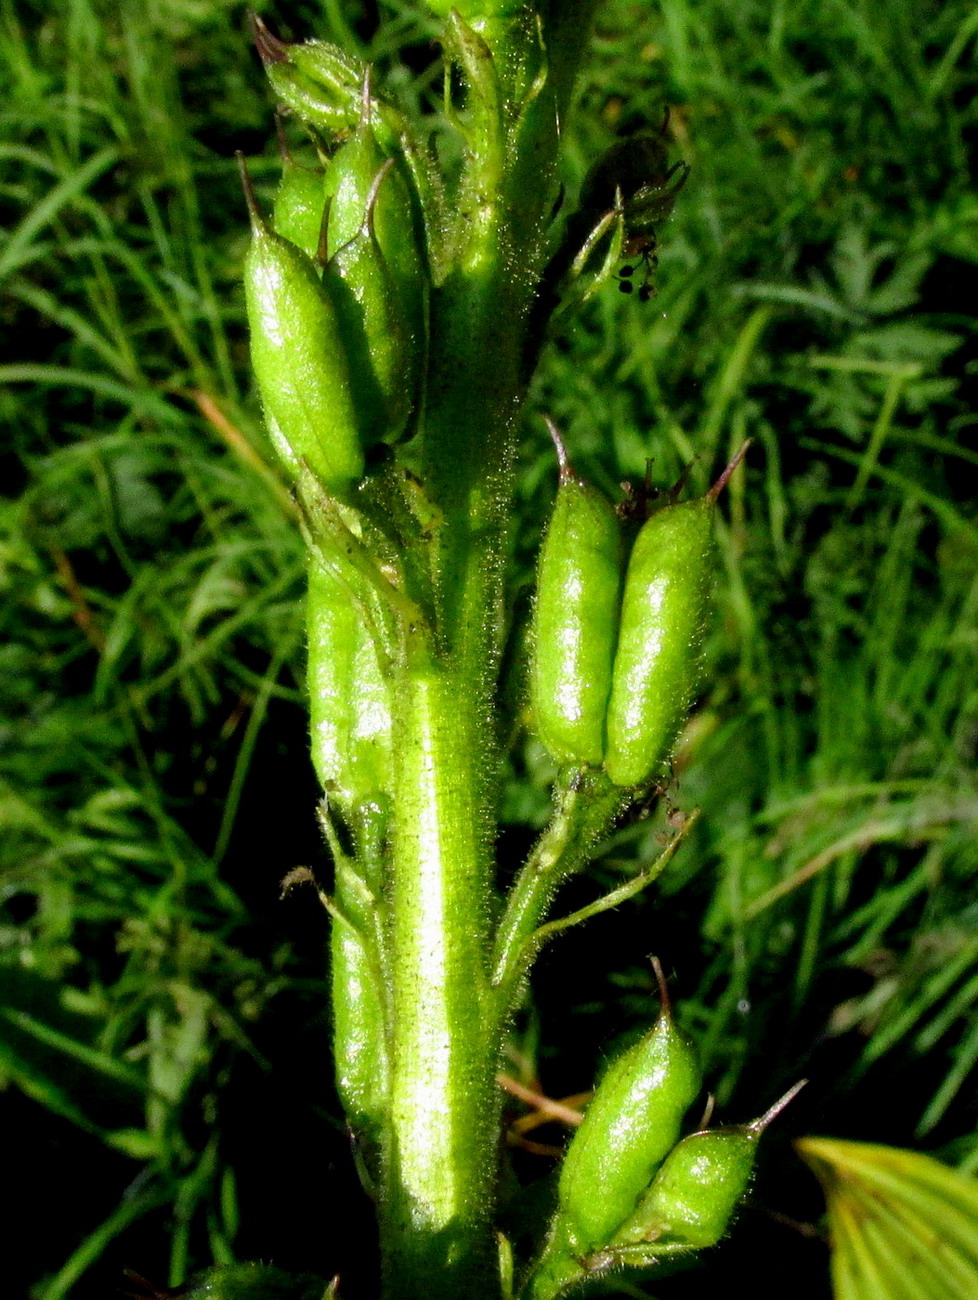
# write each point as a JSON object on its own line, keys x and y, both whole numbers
{"x": 436, "y": 1226}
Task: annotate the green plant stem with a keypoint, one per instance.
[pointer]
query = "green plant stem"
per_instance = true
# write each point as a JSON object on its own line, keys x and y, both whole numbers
{"x": 437, "y": 1196}
{"x": 445, "y": 1027}
{"x": 436, "y": 1224}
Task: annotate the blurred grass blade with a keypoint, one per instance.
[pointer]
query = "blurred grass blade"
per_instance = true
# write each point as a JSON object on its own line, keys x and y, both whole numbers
{"x": 42, "y": 1088}
{"x": 96, "y": 1060}
{"x": 129, "y": 1210}
{"x": 145, "y": 402}
{"x": 17, "y": 249}
{"x": 903, "y": 1226}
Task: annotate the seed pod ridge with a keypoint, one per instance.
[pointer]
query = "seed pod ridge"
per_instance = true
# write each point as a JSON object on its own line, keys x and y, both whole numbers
{"x": 300, "y": 203}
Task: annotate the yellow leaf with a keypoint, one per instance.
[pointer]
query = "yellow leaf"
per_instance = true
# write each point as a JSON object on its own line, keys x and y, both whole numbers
{"x": 903, "y": 1226}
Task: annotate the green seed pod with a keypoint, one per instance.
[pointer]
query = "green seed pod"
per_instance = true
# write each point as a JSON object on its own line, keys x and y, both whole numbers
{"x": 298, "y": 359}
{"x": 662, "y": 622}
{"x": 349, "y": 705}
{"x": 700, "y": 1185}
{"x": 300, "y": 206}
{"x": 575, "y": 618}
{"x": 630, "y": 1125}
{"x": 349, "y": 697}
{"x": 317, "y": 80}
{"x": 377, "y": 279}
{"x": 359, "y": 1046}
{"x": 697, "y": 1190}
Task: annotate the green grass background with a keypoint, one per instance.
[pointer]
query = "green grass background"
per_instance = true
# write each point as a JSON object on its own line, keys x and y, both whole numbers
{"x": 163, "y": 1031}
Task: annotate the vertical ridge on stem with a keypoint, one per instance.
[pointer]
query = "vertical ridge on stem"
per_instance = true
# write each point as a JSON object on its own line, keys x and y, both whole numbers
{"x": 443, "y": 1103}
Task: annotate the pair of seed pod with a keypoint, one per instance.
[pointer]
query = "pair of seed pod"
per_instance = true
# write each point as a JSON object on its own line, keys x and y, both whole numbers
{"x": 615, "y": 655}
{"x": 630, "y": 1191}
{"x": 335, "y": 291}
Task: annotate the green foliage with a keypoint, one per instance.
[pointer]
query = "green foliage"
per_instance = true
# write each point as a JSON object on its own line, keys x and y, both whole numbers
{"x": 810, "y": 295}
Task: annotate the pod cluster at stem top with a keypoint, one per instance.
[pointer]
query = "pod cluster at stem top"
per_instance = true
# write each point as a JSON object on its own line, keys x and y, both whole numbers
{"x": 340, "y": 279}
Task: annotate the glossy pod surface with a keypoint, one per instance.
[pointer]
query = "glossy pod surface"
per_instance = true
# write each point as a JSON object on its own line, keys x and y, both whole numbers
{"x": 359, "y": 1047}
{"x": 360, "y": 1053}
{"x": 697, "y": 1190}
{"x": 299, "y": 362}
{"x": 300, "y": 203}
{"x": 376, "y": 278}
{"x": 350, "y": 719}
{"x": 630, "y": 1125}
{"x": 575, "y": 622}
{"x": 662, "y": 622}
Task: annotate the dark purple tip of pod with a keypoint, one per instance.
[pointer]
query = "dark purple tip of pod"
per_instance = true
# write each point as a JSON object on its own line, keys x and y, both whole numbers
{"x": 271, "y": 48}
{"x": 679, "y": 484}
{"x": 258, "y": 225}
{"x": 756, "y": 1127}
{"x": 149, "y": 1290}
{"x": 724, "y": 478}
{"x": 665, "y": 1001}
{"x": 771, "y": 1114}
{"x": 566, "y": 471}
